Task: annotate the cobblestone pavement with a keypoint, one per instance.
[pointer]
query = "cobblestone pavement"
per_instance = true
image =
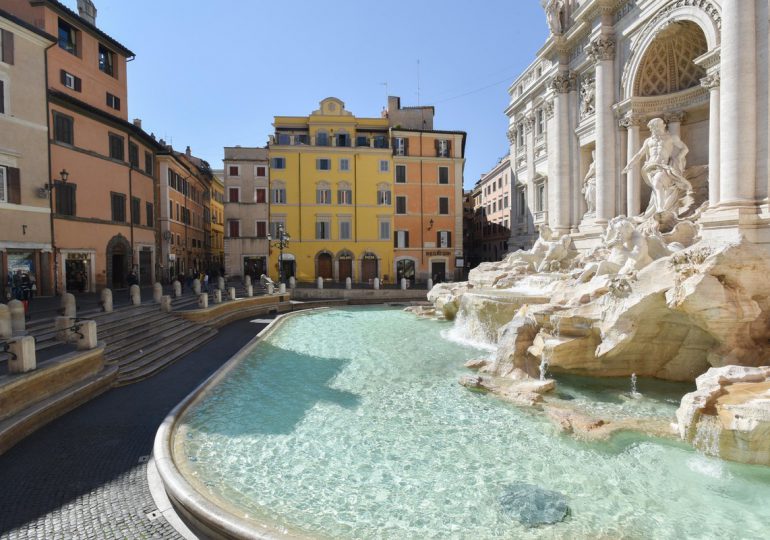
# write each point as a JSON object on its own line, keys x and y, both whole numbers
{"x": 84, "y": 475}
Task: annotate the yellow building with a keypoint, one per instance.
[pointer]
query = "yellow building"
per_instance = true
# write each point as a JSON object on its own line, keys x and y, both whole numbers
{"x": 217, "y": 221}
{"x": 331, "y": 185}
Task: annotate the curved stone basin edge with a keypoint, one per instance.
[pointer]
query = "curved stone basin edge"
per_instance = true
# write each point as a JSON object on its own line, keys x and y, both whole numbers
{"x": 205, "y": 517}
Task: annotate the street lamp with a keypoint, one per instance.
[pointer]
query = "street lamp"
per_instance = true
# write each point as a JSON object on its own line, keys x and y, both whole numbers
{"x": 47, "y": 191}
{"x": 281, "y": 242}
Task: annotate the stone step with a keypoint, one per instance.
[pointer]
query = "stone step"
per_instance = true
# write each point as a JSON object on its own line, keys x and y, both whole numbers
{"x": 148, "y": 344}
{"x": 131, "y": 340}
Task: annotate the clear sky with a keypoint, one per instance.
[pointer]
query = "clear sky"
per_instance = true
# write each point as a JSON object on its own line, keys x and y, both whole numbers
{"x": 211, "y": 74}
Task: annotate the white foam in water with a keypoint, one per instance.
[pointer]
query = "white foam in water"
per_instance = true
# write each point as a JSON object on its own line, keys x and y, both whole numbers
{"x": 459, "y": 334}
{"x": 708, "y": 466}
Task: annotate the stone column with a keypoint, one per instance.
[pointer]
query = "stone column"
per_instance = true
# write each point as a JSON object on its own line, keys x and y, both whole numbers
{"x": 712, "y": 83}
{"x": 674, "y": 121}
{"x": 738, "y": 141}
{"x": 634, "y": 176}
{"x": 602, "y": 51}
{"x": 559, "y": 178}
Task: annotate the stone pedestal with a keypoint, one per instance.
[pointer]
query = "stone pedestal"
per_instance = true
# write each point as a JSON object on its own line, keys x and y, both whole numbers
{"x": 270, "y": 288}
{"x": 68, "y": 305}
{"x": 292, "y": 283}
{"x": 136, "y": 295}
{"x": 247, "y": 280}
{"x": 282, "y": 288}
{"x": 157, "y": 293}
{"x": 88, "y": 340}
{"x": 165, "y": 303}
{"x": 231, "y": 293}
{"x": 106, "y": 300}
{"x": 218, "y": 296}
{"x": 221, "y": 283}
{"x": 430, "y": 283}
{"x": 25, "y": 360}
{"x": 196, "y": 286}
{"x": 403, "y": 284}
{"x": 177, "y": 288}
{"x": 18, "y": 324}
{"x": 63, "y": 326}
{"x": 348, "y": 283}
{"x": 320, "y": 282}
{"x": 6, "y": 330}
{"x": 203, "y": 301}
{"x": 249, "y": 290}
{"x": 376, "y": 284}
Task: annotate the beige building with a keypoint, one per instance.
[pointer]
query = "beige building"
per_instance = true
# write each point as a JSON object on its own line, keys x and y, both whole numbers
{"x": 493, "y": 216}
{"x": 25, "y": 215}
{"x": 246, "y": 176}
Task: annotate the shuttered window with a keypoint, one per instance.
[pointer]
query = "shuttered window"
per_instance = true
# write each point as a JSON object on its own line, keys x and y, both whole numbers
{"x": 3, "y": 185}
{"x": 136, "y": 216}
{"x": 443, "y": 175}
{"x": 235, "y": 194}
{"x": 260, "y": 195}
{"x": 133, "y": 155}
{"x": 65, "y": 198}
{"x": 444, "y": 239}
{"x": 261, "y": 229}
{"x": 344, "y": 229}
{"x": 400, "y": 205}
{"x": 400, "y": 174}
{"x": 234, "y": 228}
{"x": 401, "y": 239}
{"x": 322, "y": 230}
{"x": 2, "y": 97}
{"x": 443, "y": 205}
{"x": 6, "y": 42}
{"x": 118, "y": 203}
{"x": 10, "y": 185}
{"x": 117, "y": 150}
{"x": 113, "y": 101}
{"x": 149, "y": 164}
{"x": 150, "y": 210}
{"x": 63, "y": 128}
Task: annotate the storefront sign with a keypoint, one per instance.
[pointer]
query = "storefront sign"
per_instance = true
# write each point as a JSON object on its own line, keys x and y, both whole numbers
{"x": 438, "y": 253}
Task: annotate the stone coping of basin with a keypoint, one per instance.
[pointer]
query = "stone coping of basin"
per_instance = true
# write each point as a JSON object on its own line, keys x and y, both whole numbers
{"x": 227, "y": 307}
{"x": 208, "y": 517}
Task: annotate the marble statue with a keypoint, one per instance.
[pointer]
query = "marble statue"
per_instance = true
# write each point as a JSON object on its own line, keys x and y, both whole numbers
{"x": 589, "y": 186}
{"x": 628, "y": 251}
{"x": 554, "y": 10}
{"x": 587, "y": 97}
{"x": 663, "y": 171}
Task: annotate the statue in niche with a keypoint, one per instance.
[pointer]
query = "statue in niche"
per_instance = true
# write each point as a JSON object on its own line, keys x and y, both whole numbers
{"x": 663, "y": 171}
{"x": 589, "y": 186}
{"x": 628, "y": 251}
{"x": 587, "y": 97}
{"x": 554, "y": 11}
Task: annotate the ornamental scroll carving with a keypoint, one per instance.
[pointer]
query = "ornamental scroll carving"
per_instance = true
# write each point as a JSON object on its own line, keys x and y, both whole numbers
{"x": 711, "y": 81}
{"x": 602, "y": 48}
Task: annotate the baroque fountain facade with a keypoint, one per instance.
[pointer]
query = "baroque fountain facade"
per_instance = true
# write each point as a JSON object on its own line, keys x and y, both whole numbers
{"x": 640, "y": 139}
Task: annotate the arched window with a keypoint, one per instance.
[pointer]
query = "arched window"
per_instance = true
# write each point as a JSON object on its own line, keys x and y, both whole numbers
{"x": 383, "y": 194}
{"x": 323, "y": 193}
{"x": 344, "y": 194}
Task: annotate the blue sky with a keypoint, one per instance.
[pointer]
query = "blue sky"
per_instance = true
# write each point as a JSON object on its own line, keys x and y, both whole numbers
{"x": 214, "y": 73}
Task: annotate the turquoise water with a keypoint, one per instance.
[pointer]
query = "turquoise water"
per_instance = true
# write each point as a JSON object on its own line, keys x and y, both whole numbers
{"x": 350, "y": 424}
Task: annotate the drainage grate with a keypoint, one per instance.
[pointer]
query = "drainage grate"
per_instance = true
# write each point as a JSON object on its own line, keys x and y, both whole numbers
{"x": 152, "y": 516}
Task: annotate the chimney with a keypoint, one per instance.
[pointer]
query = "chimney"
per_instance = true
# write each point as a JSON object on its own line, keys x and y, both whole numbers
{"x": 187, "y": 151}
{"x": 87, "y": 11}
{"x": 138, "y": 122}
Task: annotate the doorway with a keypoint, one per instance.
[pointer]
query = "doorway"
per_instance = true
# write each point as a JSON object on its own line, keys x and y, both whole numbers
{"x": 325, "y": 266}
{"x": 438, "y": 271}
{"x": 345, "y": 268}
{"x": 368, "y": 268}
{"x": 118, "y": 274}
{"x": 405, "y": 269}
{"x": 145, "y": 267}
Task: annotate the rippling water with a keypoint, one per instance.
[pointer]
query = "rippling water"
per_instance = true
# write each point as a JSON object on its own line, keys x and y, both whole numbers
{"x": 350, "y": 424}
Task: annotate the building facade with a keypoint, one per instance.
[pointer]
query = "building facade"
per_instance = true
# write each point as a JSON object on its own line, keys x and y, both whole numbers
{"x": 25, "y": 243}
{"x": 218, "y": 219}
{"x": 581, "y": 111}
{"x": 246, "y": 213}
{"x": 493, "y": 212}
{"x": 331, "y": 189}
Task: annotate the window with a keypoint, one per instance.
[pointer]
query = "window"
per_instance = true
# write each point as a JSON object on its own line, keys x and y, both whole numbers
{"x": 234, "y": 170}
{"x": 106, "y": 61}
{"x": 383, "y": 195}
{"x": 494, "y": 207}
{"x": 278, "y": 163}
{"x": 113, "y": 102}
{"x": 323, "y": 164}
{"x": 443, "y": 175}
{"x": 520, "y": 135}
{"x": 344, "y": 195}
{"x": 540, "y": 197}
{"x": 278, "y": 194}
{"x": 68, "y": 80}
{"x": 323, "y": 194}
{"x": 401, "y": 174}
{"x": 443, "y": 205}
{"x": 402, "y": 239}
{"x": 63, "y": 128}
{"x": 149, "y": 164}
{"x": 380, "y": 141}
{"x": 522, "y": 203}
{"x": 65, "y": 198}
{"x": 233, "y": 228}
{"x": 322, "y": 139}
{"x": 442, "y": 147}
{"x": 10, "y": 185}
{"x": 344, "y": 164}
{"x": 3, "y": 185}
{"x": 116, "y": 147}
{"x": 261, "y": 229}
{"x": 400, "y": 205}
{"x": 345, "y": 229}
{"x": 444, "y": 239}
{"x": 301, "y": 139}
{"x": 234, "y": 194}
{"x": 400, "y": 146}
{"x": 6, "y": 46}
{"x": 2, "y": 97}
{"x": 322, "y": 229}
{"x": 540, "y": 121}
{"x": 68, "y": 38}
{"x": 500, "y": 183}
{"x": 362, "y": 140}
{"x": 136, "y": 216}
{"x": 384, "y": 229}
{"x": 260, "y": 195}
{"x": 260, "y": 171}
{"x": 118, "y": 202}
{"x": 133, "y": 155}
{"x": 284, "y": 138}
{"x": 384, "y": 165}
{"x": 505, "y": 201}
{"x": 343, "y": 139}
{"x": 274, "y": 226}
{"x": 150, "y": 214}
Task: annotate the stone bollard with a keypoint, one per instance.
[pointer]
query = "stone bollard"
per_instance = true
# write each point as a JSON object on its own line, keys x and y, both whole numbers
{"x": 403, "y": 283}
{"x": 87, "y": 340}
{"x": 165, "y": 303}
{"x": 196, "y": 286}
{"x": 249, "y": 290}
{"x": 25, "y": 360}
{"x": 320, "y": 282}
{"x": 136, "y": 295}
{"x": 292, "y": 283}
{"x": 18, "y": 324}
{"x": 376, "y": 284}
{"x": 221, "y": 283}
{"x": 270, "y": 288}
{"x": 6, "y": 330}
{"x": 63, "y": 326}
{"x": 107, "y": 300}
{"x": 217, "y": 296}
{"x": 348, "y": 283}
{"x": 282, "y": 288}
{"x": 203, "y": 301}
{"x": 247, "y": 280}
{"x": 430, "y": 283}
{"x": 177, "y": 288}
{"x": 68, "y": 305}
{"x": 231, "y": 293}
{"x": 157, "y": 293}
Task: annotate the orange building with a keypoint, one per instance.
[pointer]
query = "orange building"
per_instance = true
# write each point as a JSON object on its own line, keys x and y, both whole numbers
{"x": 104, "y": 208}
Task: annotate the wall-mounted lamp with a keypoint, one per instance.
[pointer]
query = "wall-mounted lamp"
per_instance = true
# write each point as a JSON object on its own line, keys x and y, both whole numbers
{"x": 44, "y": 191}
{"x": 430, "y": 224}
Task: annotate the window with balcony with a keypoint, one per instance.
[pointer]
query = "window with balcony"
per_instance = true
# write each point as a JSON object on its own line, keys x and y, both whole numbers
{"x": 284, "y": 138}
{"x": 68, "y": 37}
{"x": 107, "y": 61}
{"x": 362, "y": 140}
{"x": 380, "y": 141}
{"x": 343, "y": 139}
